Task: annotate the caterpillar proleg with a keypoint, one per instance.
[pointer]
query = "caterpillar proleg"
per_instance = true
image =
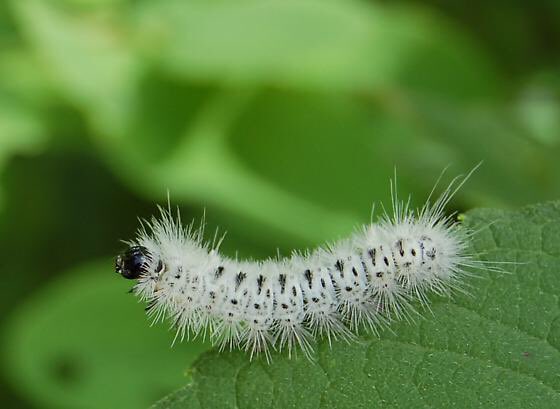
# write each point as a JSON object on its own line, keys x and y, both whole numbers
{"x": 369, "y": 279}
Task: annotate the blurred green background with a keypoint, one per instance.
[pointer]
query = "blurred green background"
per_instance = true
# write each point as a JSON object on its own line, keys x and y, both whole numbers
{"x": 283, "y": 119}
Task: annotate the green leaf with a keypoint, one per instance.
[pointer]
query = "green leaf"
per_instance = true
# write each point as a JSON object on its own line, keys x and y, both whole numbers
{"x": 538, "y": 108}
{"x": 87, "y": 58}
{"x": 313, "y": 45}
{"x": 273, "y": 157}
{"x": 304, "y": 43}
{"x": 304, "y": 168}
{"x": 496, "y": 348}
{"x": 83, "y": 342}
{"x": 22, "y": 130}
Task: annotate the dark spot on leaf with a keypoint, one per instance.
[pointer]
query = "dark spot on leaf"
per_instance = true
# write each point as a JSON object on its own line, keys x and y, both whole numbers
{"x": 68, "y": 369}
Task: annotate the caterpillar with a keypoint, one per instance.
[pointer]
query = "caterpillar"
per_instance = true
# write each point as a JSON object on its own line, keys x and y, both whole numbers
{"x": 379, "y": 274}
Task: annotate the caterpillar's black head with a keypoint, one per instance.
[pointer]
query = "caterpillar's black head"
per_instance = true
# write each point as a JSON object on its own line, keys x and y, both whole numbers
{"x": 132, "y": 262}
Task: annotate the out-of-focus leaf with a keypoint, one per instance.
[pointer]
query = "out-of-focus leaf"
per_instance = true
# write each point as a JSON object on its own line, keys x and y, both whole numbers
{"x": 306, "y": 43}
{"x": 443, "y": 62}
{"x": 538, "y": 109}
{"x": 82, "y": 342}
{"x": 311, "y": 165}
{"x": 21, "y": 80}
{"x": 89, "y": 4}
{"x": 311, "y": 44}
{"x": 98, "y": 73}
{"x": 202, "y": 166}
{"x": 346, "y": 158}
{"x": 86, "y": 56}
{"x": 320, "y": 46}
{"x": 351, "y": 146}
{"x": 515, "y": 171}
{"x": 21, "y": 130}
{"x": 283, "y": 159}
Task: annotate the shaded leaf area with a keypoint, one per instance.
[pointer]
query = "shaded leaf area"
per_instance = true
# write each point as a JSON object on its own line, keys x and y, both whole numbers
{"x": 497, "y": 347}
{"x": 329, "y": 45}
{"x": 82, "y": 342}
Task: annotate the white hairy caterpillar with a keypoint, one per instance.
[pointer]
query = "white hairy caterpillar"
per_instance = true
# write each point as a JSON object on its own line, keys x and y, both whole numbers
{"x": 368, "y": 279}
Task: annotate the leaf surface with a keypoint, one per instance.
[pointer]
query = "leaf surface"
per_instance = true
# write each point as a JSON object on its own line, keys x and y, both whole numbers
{"x": 495, "y": 348}
{"x": 83, "y": 334}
